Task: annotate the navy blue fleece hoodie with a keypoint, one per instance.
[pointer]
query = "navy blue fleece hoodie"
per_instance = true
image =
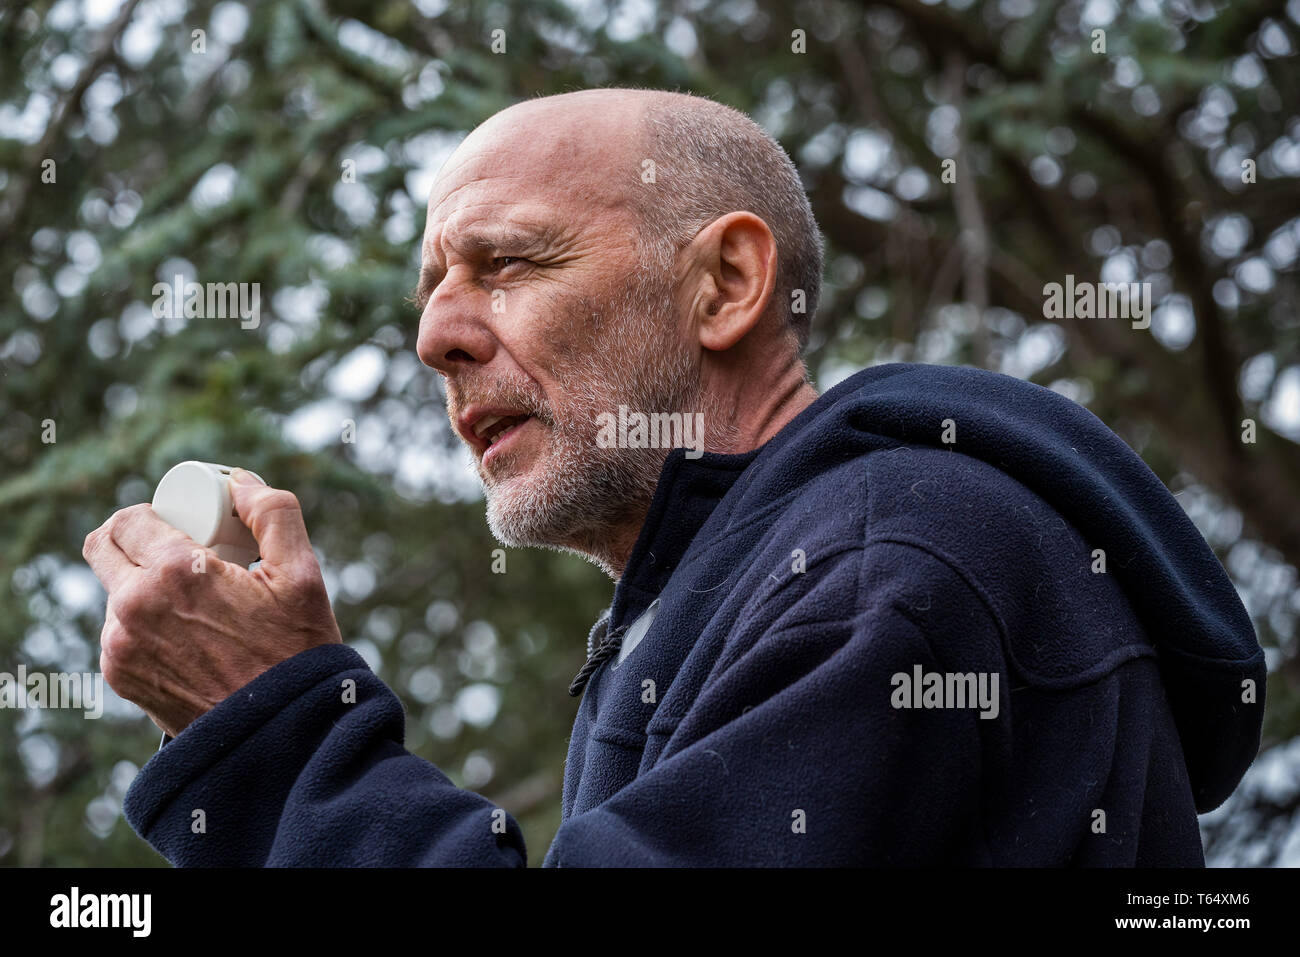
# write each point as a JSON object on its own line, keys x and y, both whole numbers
{"x": 914, "y": 525}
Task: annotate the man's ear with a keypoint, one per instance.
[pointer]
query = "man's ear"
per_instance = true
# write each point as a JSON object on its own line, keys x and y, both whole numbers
{"x": 734, "y": 258}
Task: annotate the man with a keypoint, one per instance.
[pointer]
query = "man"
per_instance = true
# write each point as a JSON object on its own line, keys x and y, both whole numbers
{"x": 931, "y": 616}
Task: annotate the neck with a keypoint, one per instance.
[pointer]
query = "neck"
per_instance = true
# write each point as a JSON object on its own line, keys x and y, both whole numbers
{"x": 750, "y": 414}
{"x": 612, "y": 551}
{"x": 761, "y": 407}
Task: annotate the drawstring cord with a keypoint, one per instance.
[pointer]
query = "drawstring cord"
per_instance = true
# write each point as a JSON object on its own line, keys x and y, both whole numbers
{"x": 609, "y": 647}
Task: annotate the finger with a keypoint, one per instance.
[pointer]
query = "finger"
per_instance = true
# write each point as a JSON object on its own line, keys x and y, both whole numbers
{"x": 110, "y": 564}
{"x": 111, "y": 627}
{"x": 143, "y": 536}
{"x": 274, "y": 517}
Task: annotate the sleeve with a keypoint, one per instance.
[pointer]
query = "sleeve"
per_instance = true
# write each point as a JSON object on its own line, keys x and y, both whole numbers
{"x": 305, "y": 767}
{"x": 798, "y": 753}
{"x": 792, "y": 754}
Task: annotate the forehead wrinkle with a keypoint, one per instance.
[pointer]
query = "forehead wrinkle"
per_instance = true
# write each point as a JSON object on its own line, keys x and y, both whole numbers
{"x": 480, "y": 235}
{"x": 516, "y": 237}
{"x": 587, "y": 178}
{"x": 493, "y": 164}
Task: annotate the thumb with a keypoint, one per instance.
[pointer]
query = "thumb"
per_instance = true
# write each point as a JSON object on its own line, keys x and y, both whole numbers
{"x": 274, "y": 517}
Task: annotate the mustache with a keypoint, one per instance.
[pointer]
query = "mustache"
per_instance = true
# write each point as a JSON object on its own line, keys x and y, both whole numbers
{"x": 503, "y": 394}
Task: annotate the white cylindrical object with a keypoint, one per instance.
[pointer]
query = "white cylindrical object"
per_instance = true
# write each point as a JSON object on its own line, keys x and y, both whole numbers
{"x": 194, "y": 497}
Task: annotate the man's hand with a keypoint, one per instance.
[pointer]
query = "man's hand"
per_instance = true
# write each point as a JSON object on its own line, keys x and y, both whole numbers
{"x": 184, "y": 630}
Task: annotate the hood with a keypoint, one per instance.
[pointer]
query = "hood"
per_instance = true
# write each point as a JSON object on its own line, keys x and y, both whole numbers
{"x": 1204, "y": 639}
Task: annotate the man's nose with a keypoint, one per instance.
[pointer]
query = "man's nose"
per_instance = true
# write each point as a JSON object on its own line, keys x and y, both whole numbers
{"x": 453, "y": 332}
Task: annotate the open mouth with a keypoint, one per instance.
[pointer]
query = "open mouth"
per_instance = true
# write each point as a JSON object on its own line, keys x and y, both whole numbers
{"x": 493, "y": 431}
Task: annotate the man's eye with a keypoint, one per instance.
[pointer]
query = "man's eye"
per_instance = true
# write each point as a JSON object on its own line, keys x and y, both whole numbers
{"x": 501, "y": 262}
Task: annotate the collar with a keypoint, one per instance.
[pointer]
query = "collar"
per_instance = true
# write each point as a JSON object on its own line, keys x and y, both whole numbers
{"x": 688, "y": 492}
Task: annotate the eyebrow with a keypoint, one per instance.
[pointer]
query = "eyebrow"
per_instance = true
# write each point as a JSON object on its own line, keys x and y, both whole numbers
{"x": 478, "y": 239}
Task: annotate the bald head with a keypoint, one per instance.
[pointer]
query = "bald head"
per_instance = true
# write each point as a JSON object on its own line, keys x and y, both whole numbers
{"x": 587, "y": 140}
{"x": 677, "y": 162}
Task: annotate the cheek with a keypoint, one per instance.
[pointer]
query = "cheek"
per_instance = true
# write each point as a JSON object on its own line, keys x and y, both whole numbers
{"x": 592, "y": 332}
{"x": 563, "y": 323}
{"x": 570, "y": 346}
{"x": 549, "y": 335}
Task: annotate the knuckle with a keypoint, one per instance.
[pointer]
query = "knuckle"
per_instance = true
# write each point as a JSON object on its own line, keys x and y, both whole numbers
{"x": 115, "y": 643}
{"x": 132, "y": 607}
{"x": 121, "y": 517}
{"x": 311, "y": 589}
{"x": 279, "y": 500}
{"x": 110, "y": 637}
{"x": 174, "y": 571}
{"x": 110, "y": 668}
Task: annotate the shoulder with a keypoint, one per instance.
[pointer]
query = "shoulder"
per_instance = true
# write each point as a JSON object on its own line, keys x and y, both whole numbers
{"x": 914, "y": 519}
{"x": 960, "y": 506}
{"x": 921, "y": 517}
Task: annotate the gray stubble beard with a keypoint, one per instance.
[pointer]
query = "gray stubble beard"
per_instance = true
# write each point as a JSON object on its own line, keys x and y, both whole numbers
{"x": 590, "y": 494}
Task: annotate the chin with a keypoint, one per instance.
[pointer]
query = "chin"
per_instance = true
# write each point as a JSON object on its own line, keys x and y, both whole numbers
{"x": 515, "y": 525}
{"x": 528, "y": 511}
{"x": 521, "y": 511}
{"x": 572, "y": 499}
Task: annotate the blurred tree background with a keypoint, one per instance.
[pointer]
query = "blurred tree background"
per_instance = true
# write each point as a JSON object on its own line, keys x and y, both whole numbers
{"x": 292, "y": 143}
